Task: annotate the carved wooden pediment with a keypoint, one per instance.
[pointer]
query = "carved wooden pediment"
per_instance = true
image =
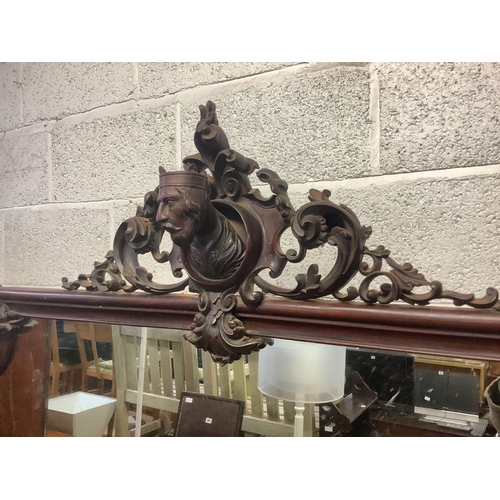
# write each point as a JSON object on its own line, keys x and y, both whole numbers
{"x": 227, "y": 238}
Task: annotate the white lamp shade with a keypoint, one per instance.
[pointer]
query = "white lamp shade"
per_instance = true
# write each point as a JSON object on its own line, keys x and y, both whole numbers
{"x": 302, "y": 371}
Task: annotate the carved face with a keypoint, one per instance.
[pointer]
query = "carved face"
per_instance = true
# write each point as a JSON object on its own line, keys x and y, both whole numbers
{"x": 180, "y": 212}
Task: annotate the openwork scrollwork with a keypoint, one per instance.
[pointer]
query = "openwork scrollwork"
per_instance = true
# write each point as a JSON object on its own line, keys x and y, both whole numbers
{"x": 403, "y": 279}
{"x": 226, "y": 236}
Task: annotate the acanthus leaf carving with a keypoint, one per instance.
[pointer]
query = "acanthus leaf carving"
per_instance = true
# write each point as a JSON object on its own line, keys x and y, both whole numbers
{"x": 105, "y": 277}
{"x": 216, "y": 330}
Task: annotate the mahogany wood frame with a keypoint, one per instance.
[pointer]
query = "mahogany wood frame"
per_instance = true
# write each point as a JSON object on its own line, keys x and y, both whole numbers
{"x": 434, "y": 330}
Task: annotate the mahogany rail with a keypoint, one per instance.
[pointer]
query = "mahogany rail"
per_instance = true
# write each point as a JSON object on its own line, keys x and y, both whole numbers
{"x": 442, "y": 331}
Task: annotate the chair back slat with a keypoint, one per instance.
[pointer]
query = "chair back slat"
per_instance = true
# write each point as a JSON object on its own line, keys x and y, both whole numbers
{"x": 224, "y": 379}
{"x": 255, "y": 395}
{"x": 178, "y": 368}
{"x": 289, "y": 412}
{"x": 84, "y": 331}
{"x": 166, "y": 369}
{"x": 93, "y": 366}
{"x": 69, "y": 326}
{"x": 102, "y": 333}
{"x": 209, "y": 375}
{"x": 309, "y": 420}
{"x": 239, "y": 382}
{"x": 273, "y": 409}
{"x": 191, "y": 370}
{"x": 131, "y": 361}
{"x": 154, "y": 366}
{"x": 95, "y": 354}
{"x": 120, "y": 365}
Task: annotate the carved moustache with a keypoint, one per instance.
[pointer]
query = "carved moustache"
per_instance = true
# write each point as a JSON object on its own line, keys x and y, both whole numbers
{"x": 170, "y": 227}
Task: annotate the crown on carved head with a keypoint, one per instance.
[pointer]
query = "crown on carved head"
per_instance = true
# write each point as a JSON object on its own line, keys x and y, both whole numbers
{"x": 183, "y": 178}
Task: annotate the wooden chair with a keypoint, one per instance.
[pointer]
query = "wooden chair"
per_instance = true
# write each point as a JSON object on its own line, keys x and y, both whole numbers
{"x": 94, "y": 367}
{"x": 57, "y": 368}
{"x": 264, "y": 415}
{"x": 171, "y": 367}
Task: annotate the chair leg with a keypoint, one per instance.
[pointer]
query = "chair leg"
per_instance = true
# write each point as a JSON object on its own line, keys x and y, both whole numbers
{"x": 71, "y": 381}
{"x": 166, "y": 421}
{"x": 85, "y": 382}
{"x": 54, "y": 390}
{"x": 111, "y": 425}
{"x": 121, "y": 417}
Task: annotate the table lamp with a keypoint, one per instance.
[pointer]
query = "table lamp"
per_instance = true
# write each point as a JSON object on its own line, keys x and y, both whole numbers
{"x": 302, "y": 372}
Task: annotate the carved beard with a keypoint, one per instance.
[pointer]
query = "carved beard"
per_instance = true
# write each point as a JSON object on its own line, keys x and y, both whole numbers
{"x": 184, "y": 237}
{"x": 192, "y": 222}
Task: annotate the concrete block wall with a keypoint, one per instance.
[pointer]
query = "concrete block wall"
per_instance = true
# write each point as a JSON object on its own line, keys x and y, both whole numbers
{"x": 412, "y": 148}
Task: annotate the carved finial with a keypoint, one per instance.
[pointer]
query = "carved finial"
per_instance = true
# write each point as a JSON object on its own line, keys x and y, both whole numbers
{"x": 209, "y": 138}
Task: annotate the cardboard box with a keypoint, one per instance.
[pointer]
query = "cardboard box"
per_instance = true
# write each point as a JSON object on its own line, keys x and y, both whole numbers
{"x": 80, "y": 414}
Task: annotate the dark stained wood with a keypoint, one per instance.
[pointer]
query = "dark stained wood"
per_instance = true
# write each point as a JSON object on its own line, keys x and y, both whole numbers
{"x": 24, "y": 386}
{"x": 140, "y": 309}
{"x": 441, "y": 331}
{"x": 226, "y": 237}
{"x": 445, "y": 331}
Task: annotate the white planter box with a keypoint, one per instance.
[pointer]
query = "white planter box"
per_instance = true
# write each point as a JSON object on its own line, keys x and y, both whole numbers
{"x": 80, "y": 414}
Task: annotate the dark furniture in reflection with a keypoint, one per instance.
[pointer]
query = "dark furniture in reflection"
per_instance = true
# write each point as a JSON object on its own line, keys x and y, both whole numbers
{"x": 390, "y": 375}
{"x": 393, "y": 423}
{"x": 417, "y": 396}
{"x": 351, "y": 412}
{"x": 450, "y": 385}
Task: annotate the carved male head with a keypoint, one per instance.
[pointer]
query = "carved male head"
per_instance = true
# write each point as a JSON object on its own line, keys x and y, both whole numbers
{"x": 183, "y": 203}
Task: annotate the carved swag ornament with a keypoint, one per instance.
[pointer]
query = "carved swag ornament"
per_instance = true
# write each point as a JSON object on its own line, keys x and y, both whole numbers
{"x": 226, "y": 236}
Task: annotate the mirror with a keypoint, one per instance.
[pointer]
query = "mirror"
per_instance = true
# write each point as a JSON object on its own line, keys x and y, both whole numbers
{"x": 142, "y": 372}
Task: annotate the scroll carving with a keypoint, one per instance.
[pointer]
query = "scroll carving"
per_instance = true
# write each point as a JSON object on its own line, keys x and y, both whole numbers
{"x": 226, "y": 237}
{"x": 11, "y": 326}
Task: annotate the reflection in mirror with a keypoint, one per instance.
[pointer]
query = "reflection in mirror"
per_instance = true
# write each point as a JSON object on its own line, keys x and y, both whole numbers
{"x": 423, "y": 395}
{"x": 82, "y": 389}
{"x": 127, "y": 381}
